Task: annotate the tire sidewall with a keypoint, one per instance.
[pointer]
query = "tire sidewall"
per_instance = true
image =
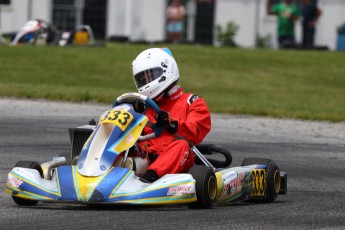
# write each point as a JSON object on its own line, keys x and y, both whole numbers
{"x": 203, "y": 176}
{"x": 271, "y": 194}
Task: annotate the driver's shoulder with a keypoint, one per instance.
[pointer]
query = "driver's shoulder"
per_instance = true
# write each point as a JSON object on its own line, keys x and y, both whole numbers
{"x": 191, "y": 98}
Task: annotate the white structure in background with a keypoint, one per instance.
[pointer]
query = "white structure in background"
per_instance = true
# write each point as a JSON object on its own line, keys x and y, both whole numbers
{"x": 333, "y": 17}
{"x": 142, "y": 20}
{"x": 252, "y": 18}
{"x": 145, "y": 20}
{"x": 15, "y": 15}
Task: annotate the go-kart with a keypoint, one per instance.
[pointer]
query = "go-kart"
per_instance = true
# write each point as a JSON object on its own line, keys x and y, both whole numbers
{"x": 96, "y": 171}
{"x": 35, "y": 31}
{"x": 40, "y": 32}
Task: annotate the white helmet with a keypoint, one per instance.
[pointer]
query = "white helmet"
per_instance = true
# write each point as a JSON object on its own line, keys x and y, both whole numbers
{"x": 154, "y": 71}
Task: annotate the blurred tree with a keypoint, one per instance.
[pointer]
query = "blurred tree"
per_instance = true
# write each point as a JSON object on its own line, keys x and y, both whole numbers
{"x": 226, "y": 36}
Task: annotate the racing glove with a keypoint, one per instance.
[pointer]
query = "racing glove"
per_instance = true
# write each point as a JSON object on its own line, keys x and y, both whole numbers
{"x": 163, "y": 120}
{"x": 139, "y": 106}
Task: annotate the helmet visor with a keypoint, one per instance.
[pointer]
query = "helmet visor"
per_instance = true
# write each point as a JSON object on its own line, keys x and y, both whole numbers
{"x": 147, "y": 76}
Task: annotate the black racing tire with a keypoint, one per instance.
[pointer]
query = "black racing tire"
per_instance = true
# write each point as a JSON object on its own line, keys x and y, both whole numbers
{"x": 273, "y": 177}
{"x": 30, "y": 165}
{"x": 205, "y": 187}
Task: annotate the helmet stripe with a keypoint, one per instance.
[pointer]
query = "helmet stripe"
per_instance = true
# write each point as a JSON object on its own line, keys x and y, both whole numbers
{"x": 167, "y": 50}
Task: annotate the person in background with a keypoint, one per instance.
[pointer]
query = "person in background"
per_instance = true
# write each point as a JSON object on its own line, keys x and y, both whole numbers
{"x": 184, "y": 117}
{"x": 287, "y": 13}
{"x": 311, "y": 13}
{"x": 175, "y": 24}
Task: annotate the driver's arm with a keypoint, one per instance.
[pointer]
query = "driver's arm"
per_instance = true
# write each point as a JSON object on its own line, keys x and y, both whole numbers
{"x": 197, "y": 123}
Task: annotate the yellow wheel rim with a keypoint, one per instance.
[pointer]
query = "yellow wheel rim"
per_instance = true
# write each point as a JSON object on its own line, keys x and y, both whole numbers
{"x": 212, "y": 187}
{"x": 276, "y": 181}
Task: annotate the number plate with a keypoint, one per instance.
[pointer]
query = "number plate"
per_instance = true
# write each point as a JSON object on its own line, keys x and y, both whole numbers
{"x": 258, "y": 182}
{"x": 120, "y": 118}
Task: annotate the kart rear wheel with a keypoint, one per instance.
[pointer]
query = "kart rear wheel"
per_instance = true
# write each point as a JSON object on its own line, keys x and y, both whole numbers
{"x": 273, "y": 177}
{"x": 30, "y": 165}
{"x": 205, "y": 187}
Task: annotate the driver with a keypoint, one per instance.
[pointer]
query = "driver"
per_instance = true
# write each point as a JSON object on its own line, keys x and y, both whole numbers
{"x": 185, "y": 117}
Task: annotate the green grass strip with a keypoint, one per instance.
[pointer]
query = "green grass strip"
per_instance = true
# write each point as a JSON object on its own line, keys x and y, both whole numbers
{"x": 278, "y": 83}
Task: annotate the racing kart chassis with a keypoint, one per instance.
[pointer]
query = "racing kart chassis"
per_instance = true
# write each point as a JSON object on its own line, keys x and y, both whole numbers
{"x": 95, "y": 171}
{"x": 226, "y": 178}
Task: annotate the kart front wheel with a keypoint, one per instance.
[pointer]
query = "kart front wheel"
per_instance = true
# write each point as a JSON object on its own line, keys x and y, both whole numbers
{"x": 205, "y": 187}
{"x": 30, "y": 165}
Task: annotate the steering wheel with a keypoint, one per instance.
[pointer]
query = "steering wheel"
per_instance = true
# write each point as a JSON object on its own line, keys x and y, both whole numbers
{"x": 131, "y": 97}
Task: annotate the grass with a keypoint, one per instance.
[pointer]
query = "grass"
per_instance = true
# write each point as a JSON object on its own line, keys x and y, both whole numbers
{"x": 294, "y": 84}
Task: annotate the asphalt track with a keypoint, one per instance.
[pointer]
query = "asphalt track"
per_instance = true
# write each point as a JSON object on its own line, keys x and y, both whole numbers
{"x": 313, "y": 154}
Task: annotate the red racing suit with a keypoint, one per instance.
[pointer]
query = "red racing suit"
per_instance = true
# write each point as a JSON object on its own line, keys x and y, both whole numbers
{"x": 173, "y": 150}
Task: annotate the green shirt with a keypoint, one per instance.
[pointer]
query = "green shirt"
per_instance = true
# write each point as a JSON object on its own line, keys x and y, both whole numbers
{"x": 286, "y": 26}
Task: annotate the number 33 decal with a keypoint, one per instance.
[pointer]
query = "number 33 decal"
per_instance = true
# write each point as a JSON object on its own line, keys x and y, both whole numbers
{"x": 117, "y": 117}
